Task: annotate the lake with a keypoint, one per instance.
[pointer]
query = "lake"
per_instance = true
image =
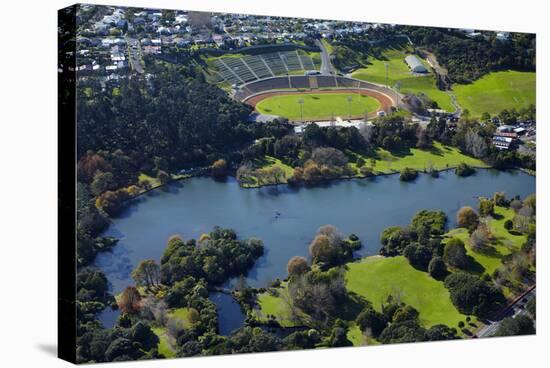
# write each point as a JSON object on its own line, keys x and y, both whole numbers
{"x": 287, "y": 218}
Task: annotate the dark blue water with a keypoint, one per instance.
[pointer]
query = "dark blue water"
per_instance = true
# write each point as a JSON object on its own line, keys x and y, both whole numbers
{"x": 230, "y": 315}
{"x": 362, "y": 206}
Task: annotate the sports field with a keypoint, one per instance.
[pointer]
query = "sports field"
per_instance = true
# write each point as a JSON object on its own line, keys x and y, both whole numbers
{"x": 318, "y": 106}
{"x": 400, "y": 74}
{"x": 496, "y": 92}
{"x": 375, "y": 278}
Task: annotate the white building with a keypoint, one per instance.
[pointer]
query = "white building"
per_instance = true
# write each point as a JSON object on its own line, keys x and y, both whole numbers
{"x": 415, "y": 65}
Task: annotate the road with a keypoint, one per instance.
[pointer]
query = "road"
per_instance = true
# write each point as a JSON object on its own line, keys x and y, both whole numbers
{"x": 326, "y": 65}
{"x": 134, "y": 54}
{"x": 515, "y": 309}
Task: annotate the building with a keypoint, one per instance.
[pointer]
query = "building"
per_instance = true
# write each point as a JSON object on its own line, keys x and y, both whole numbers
{"x": 505, "y": 140}
{"x": 415, "y": 65}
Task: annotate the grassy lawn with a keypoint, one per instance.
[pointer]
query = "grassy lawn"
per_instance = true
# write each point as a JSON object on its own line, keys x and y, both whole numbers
{"x": 275, "y": 305}
{"x": 181, "y": 314}
{"x": 497, "y": 91}
{"x": 375, "y": 278}
{"x": 399, "y": 72}
{"x": 439, "y": 156}
{"x": 503, "y": 244}
{"x": 318, "y": 105}
{"x": 266, "y": 163}
{"x": 164, "y": 346}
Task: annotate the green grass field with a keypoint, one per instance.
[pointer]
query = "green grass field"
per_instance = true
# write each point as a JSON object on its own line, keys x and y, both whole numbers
{"x": 375, "y": 278}
{"x": 497, "y": 91}
{"x": 318, "y": 106}
{"x": 399, "y": 72}
{"x": 181, "y": 314}
{"x": 503, "y": 244}
{"x": 439, "y": 156}
{"x": 275, "y": 305}
{"x": 164, "y": 346}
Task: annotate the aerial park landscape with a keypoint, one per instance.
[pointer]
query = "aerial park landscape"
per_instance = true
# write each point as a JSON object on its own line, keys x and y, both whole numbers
{"x": 308, "y": 184}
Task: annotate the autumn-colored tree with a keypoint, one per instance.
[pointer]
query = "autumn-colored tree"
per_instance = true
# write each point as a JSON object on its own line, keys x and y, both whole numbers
{"x": 320, "y": 248}
{"x": 219, "y": 168}
{"x": 130, "y": 300}
{"x": 467, "y": 217}
{"x": 297, "y": 266}
{"x": 111, "y": 201}
{"x": 89, "y": 164}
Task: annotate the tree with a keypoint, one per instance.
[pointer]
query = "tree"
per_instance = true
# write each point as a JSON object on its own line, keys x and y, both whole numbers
{"x": 430, "y": 222}
{"x": 320, "y": 248}
{"x": 219, "y": 169}
{"x": 89, "y": 165}
{"x": 471, "y": 295}
{"x": 455, "y": 253}
{"x": 142, "y": 333}
{"x": 371, "y": 320}
{"x": 464, "y": 170}
{"x": 486, "y": 207}
{"x": 297, "y": 266}
{"x": 329, "y": 156}
{"x": 130, "y": 300}
{"x": 437, "y": 268}
{"x": 193, "y": 316}
{"x": 475, "y": 144}
{"x": 419, "y": 256}
{"x": 102, "y": 182}
{"x": 499, "y": 199}
{"x": 531, "y": 307}
{"x": 408, "y": 174}
{"x": 147, "y": 273}
{"x": 163, "y": 177}
{"x": 467, "y": 217}
{"x": 480, "y": 237}
{"x": 513, "y": 326}
{"x": 441, "y": 332}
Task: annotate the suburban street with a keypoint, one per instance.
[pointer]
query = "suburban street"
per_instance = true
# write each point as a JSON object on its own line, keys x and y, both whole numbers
{"x": 515, "y": 309}
{"x": 134, "y": 53}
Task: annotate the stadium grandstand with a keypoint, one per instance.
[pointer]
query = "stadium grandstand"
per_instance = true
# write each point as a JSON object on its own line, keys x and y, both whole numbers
{"x": 238, "y": 70}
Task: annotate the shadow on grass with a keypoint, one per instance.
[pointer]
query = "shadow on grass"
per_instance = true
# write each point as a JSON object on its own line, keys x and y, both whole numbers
{"x": 351, "y": 307}
{"x": 474, "y": 266}
{"x": 497, "y": 216}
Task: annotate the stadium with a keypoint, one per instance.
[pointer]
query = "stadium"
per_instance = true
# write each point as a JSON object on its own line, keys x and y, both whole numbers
{"x": 289, "y": 84}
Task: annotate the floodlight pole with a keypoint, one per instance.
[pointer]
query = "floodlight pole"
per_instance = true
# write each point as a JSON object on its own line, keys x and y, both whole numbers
{"x": 301, "y": 102}
{"x": 386, "y": 65}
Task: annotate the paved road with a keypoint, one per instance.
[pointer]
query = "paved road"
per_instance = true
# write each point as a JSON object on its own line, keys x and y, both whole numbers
{"x": 513, "y": 310}
{"x": 134, "y": 54}
{"x": 326, "y": 65}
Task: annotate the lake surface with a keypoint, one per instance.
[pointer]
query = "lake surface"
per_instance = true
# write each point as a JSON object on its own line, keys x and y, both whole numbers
{"x": 286, "y": 218}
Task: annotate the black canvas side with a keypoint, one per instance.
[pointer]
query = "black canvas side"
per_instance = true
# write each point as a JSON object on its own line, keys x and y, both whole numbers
{"x": 66, "y": 129}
